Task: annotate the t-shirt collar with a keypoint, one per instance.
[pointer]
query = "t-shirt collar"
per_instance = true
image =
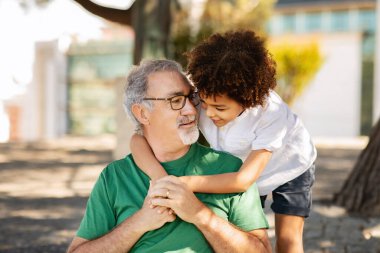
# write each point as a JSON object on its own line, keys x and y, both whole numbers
{"x": 184, "y": 159}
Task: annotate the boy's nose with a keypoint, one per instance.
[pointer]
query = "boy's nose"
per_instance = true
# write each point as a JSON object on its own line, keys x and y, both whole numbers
{"x": 209, "y": 112}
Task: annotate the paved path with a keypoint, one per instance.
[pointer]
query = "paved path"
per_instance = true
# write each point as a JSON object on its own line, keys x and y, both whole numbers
{"x": 44, "y": 187}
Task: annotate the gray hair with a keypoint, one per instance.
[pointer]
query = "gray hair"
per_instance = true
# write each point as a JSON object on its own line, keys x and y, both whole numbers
{"x": 137, "y": 84}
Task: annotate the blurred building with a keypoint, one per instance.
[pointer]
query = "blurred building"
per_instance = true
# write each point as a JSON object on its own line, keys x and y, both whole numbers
{"x": 59, "y": 76}
{"x": 340, "y": 101}
{"x": 70, "y": 81}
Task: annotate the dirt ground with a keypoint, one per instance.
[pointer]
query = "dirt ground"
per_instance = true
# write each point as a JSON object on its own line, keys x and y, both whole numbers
{"x": 44, "y": 188}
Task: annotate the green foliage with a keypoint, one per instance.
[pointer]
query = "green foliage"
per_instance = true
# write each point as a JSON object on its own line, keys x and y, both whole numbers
{"x": 224, "y": 15}
{"x": 218, "y": 16}
{"x": 296, "y": 66}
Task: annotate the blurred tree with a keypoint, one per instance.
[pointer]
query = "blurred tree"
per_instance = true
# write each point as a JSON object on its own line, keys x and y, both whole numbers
{"x": 218, "y": 16}
{"x": 224, "y": 15}
{"x": 150, "y": 19}
{"x": 361, "y": 191}
{"x": 296, "y": 66}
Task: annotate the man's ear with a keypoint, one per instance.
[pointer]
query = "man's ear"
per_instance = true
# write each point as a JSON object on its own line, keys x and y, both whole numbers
{"x": 141, "y": 113}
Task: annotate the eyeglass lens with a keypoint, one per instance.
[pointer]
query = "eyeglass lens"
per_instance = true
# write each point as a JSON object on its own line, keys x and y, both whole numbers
{"x": 178, "y": 102}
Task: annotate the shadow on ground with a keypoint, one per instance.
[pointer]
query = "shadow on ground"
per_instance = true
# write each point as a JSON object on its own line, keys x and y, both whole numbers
{"x": 44, "y": 189}
{"x": 43, "y": 193}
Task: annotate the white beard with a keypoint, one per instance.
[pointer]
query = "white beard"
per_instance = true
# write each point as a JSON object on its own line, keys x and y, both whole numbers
{"x": 189, "y": 136}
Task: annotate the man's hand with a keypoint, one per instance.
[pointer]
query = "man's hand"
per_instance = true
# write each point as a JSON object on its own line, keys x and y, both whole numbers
{"x": 171, "y": 192}
{"x": 124, "y": 236}
{"x": 156, "y": 216}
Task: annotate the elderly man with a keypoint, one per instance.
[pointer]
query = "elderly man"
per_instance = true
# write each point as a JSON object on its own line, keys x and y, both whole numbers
{"x": 127, "y": 213}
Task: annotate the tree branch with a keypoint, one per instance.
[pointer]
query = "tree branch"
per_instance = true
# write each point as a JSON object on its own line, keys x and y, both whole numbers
{"x": 123, "y": 17}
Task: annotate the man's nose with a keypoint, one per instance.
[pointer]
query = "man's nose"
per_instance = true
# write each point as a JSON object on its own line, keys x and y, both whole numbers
{"x": 189, "y": 108}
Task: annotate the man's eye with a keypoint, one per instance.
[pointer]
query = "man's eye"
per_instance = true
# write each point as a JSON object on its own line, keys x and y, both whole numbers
{"x": 177, "y": 100}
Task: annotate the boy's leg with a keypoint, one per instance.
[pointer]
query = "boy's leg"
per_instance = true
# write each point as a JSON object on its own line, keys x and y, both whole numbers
{"x": 291, "y": 205}
{"x": 289, "y": 230}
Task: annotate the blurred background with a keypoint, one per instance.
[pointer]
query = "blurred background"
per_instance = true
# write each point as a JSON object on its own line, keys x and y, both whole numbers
{"x": 63, "y": 65}
{"x": 60, "y": 62}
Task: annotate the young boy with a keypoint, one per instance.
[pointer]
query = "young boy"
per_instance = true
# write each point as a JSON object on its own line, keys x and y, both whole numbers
{"x": 242, "y": 114}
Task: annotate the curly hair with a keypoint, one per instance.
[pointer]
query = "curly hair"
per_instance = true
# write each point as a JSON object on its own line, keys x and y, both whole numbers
{"x": 236, "y": 64}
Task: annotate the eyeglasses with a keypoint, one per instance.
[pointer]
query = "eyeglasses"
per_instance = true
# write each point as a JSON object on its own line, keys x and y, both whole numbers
{"x": 179, "y": 101}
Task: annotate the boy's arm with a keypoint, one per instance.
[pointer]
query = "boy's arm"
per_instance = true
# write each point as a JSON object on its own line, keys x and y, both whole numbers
{"x": 144, "y": 157}
{"x": 238, "y": 181}
{"x": 216, "y": 230}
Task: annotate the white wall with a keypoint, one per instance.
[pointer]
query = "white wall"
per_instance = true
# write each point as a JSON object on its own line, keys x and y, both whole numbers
{"x": 43, "y": 105}
{"x": 330, "y": 105}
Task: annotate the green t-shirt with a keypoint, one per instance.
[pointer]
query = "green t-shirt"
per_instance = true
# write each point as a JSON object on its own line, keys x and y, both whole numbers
{"x": 122, "y": 187}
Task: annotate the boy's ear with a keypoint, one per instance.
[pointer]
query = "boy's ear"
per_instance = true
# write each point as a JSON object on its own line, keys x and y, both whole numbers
{"x": 141, "y": 113}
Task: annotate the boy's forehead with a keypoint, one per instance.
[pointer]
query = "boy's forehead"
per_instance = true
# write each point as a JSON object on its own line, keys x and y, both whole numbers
{"x": 213, "y": 97}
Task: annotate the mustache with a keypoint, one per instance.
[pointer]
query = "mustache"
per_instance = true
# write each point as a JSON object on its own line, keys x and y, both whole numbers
{"x": 186, "y": 119}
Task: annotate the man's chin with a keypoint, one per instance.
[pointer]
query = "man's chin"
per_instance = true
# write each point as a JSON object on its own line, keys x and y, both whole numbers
{"x": 189, "y": 136}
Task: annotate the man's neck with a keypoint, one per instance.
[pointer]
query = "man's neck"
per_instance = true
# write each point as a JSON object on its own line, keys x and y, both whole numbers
{"x": 166, "y": 151}
{"x": 167, "y": 156}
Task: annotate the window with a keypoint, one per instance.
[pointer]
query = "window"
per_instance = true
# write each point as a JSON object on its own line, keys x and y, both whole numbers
{"x": 367, "y": 20}
{"x": 289, "y": 23}
{"x": 339, "y": 21}
{"x": 313, "y": 22}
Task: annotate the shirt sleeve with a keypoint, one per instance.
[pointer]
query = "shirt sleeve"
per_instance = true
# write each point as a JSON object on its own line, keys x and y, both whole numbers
{"x": 99, "y": 217}
{"x": 246, "y": 211}
{"x": 272, "y": 128}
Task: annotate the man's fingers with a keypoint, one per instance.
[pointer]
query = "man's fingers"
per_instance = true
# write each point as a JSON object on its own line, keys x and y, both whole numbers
{"x": 160, "y": 202}
{"x": 164, "y": 184}
{"x": 159, "y": 192}
{"x": 169, "y": 179}
{"x": 171, "y": 183}
{"x": 164, "y": 189}
{"x": 160, "y": 209}
{"x": 172, "y": 217}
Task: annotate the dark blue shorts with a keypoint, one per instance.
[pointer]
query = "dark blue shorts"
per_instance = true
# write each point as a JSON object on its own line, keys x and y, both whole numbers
{"x": 294, "y": 197}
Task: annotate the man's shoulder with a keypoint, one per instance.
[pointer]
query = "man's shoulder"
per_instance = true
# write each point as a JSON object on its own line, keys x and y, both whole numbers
{"x": 119, "y": 164}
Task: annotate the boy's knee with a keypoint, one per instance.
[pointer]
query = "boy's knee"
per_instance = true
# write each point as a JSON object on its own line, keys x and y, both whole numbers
{"x": 289, "y": 244}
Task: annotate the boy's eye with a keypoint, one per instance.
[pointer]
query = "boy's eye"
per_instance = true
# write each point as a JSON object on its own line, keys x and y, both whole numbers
{"x": 220, "y": 109}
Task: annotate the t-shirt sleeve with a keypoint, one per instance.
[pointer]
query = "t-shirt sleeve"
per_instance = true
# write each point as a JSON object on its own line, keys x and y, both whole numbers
{"x": 99, "y": 217}
{"x": 272, "y": 128}
{"x": 246, "y": 211}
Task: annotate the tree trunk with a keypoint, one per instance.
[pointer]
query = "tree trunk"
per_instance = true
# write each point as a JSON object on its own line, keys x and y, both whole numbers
{"x": 150, "y": 19}
{"x": 123, "y": 17}
{"x": 361, "y": 192}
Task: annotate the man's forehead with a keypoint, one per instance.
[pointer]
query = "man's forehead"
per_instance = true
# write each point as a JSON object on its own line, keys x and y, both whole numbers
{"x": 167, "y": 83}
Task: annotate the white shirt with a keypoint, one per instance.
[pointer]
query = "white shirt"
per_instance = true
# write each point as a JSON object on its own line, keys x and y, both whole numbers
{"x": 273, "y": 127}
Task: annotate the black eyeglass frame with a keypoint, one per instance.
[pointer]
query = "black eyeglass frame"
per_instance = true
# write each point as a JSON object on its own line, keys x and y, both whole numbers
{"x": 191, "y": 96}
